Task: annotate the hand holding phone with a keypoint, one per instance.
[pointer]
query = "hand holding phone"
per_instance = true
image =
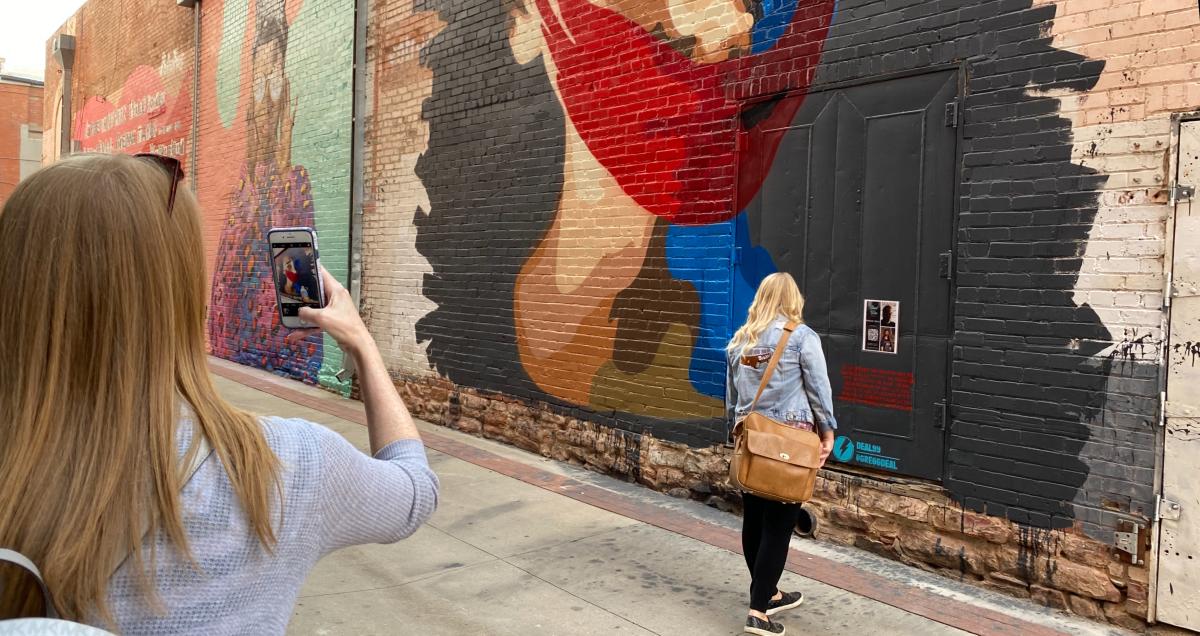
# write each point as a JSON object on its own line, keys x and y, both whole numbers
{"x": 296, "y": 270}
{"x": 339, "y": 318}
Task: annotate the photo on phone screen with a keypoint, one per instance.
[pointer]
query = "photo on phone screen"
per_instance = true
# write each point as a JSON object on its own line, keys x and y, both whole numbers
{"x": 297, "y": 275}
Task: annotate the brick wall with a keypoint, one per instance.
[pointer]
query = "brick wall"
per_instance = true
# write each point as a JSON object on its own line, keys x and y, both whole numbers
{"x": 515, "y": 246}
{"x": 545, "y": 254}
{"x": 273, "y": 151}
{"x": 131, "y": 83}
{"x": 397, "y": 135}
{"x": 560, "y": 233}
{"x": 272, "y": 145}
{"x": 20, "y": 108}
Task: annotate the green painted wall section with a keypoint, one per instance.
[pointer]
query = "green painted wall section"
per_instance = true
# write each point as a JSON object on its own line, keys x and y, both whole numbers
{"x": 234, "y": 17}
{"x": 320, "y": 67}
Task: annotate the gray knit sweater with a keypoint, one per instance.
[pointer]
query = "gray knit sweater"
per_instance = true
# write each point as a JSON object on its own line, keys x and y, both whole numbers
{"x": 334, "y": 496}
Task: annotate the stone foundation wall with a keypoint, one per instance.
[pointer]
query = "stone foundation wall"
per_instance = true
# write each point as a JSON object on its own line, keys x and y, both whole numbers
{"x": 913, "y": 522}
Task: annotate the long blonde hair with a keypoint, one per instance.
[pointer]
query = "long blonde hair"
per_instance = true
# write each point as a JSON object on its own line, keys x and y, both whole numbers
{"x": 101, "y": 337}
{"x": 777, "y": 296}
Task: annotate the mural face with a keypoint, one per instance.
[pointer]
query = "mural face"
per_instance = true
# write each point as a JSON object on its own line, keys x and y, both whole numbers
{"x": 647, "y": 142}
{"x": 269, "y": 120}
{"x": 271, "y": 192}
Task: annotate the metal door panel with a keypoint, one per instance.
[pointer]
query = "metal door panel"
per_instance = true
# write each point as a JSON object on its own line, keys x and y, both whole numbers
{"x": 785, "y": 209}
{"x": 846, "y": 236}
{"x": 859, "y": 203}
{"x": 1178, "y": 589}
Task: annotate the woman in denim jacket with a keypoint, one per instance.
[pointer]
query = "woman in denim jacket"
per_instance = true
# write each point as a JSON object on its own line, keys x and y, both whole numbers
{"x": 798, "y": 394}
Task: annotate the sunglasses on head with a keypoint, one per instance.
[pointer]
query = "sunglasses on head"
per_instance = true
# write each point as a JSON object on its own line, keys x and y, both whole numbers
{"x": 173, "y": 166}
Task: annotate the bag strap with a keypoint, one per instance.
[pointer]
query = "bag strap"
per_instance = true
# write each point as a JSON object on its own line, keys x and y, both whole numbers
{"x": 203, "y": 450}
{"x": 783, "y": 340}
{"x": 19, "y": 560}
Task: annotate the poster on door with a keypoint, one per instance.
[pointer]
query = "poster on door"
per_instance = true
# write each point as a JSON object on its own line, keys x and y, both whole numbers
{"x": 881, "y": 323}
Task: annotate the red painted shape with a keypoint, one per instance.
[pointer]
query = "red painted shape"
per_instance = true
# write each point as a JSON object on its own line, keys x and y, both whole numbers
{"x": 666, "y": 127}
{"x": 877, "y": 387}
{"x": 146, "y": 118}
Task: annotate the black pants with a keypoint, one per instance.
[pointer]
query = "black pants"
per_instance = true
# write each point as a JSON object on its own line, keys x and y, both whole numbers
{"x": 766, "y": 532}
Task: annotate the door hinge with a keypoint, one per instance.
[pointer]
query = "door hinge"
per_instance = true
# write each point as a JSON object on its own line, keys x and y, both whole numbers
{"x": 1133, "y": 539}
{"x": 1181, "y": 193}
{"x": 1167, "y": 510}
{"x": 939, "y": 415}
{"x": 946, "y": 265}
{"x": 1125, "y": 542}
{"x": 952, "y": 114}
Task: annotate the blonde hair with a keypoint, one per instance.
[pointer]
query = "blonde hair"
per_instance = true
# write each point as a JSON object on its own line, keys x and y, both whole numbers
{"x": 777, "y": 296}
{"x": 101, "y": 336}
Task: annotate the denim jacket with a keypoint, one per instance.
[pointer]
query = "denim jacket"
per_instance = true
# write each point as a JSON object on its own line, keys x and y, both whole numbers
{"x": 798, "y": 391}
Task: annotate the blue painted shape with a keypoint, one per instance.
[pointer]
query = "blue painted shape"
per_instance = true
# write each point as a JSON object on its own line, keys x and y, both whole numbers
{"x": 699, "y": 254}
{"x": 777, "y": 15}
{"x": 756, "y": 264}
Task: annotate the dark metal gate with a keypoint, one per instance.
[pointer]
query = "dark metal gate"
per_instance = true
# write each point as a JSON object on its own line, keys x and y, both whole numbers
{"x": 858, "y": 205}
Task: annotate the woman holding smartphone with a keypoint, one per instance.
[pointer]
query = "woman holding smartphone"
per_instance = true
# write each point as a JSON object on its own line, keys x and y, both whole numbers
{"x": 797, "y": 394}
{"x": 150, "y": 504}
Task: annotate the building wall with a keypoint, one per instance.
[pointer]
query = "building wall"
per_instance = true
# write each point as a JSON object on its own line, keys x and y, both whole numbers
{"x": 1122, "y": 131}
{"x": 20, "y": 133}
{"x": 131, "y": 84}
{"x": 273, "y": 151}
{"x": 272, "y": 145}
{"x": 578, "y": 234}
{"x": 530, "y": 277}
{"x": 563, "y": 224}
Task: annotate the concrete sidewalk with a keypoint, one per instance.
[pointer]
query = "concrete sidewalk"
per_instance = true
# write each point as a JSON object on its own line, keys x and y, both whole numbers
{"x": 524, "y": 545}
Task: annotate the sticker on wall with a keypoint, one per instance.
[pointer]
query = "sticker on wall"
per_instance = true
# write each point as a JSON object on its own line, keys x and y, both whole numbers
{"x": 872, "y": 455}
{"x": 881, "y": 322}
{"x": 865, "y": 453}
{"x": 843, "y": 449}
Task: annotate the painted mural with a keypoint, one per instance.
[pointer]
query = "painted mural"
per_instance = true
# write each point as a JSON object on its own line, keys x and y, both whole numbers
{"x": 151, "y": 113}
{"x": 279, "y": 169}
{"x": 615, "y": 193}
{"x": 613, "y": 308}
{"x": 271, "y": 192}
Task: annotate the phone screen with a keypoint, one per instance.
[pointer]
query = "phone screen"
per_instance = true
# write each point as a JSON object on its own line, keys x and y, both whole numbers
{"x": 297, "y": 278}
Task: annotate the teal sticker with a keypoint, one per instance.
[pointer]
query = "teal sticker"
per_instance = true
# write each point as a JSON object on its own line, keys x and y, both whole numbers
{"x": 843, "y": 449}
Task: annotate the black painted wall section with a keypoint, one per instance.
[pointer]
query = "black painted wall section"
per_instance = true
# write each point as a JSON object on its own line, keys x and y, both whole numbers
{"x": 492, "y": 196}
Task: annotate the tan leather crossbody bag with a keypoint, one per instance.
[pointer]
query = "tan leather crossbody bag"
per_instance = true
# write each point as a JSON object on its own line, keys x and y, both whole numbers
{"x": 771, "y": 459}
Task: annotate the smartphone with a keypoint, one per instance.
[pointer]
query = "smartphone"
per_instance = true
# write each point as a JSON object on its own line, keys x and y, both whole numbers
{"x": 296, "y": 270}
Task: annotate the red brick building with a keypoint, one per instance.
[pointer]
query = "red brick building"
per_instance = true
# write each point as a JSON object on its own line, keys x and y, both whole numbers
{"x": 20, "y": 130}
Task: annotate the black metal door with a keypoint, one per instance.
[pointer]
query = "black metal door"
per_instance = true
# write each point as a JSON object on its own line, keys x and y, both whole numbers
{"x": 858, "y": 205}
